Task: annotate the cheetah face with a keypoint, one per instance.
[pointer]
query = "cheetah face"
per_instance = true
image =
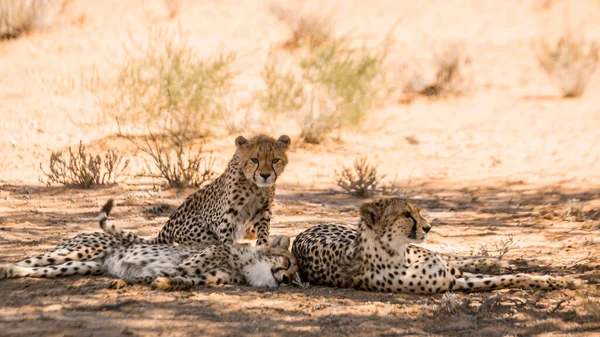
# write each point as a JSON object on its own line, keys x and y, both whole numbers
{"x": 283, "y": 265}
{"x": 394, "y": 221}
{"x": 263, "y": 158}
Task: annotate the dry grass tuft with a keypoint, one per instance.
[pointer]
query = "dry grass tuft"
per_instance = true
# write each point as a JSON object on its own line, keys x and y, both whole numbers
{"x": 574, "y": 211}
{"x": 308, "y": 29}
{"x": 361, "y": 181}
{"x": 591, "y": 303}
{"x": 569, "y": 61}
{"x": 82, "y": 169}
{"x": 18, "y": 17}
{"x": 498, "y": 250}
{"x": 450, "y": 304}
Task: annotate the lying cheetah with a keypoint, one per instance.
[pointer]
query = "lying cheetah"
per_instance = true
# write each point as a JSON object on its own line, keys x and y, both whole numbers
{"x": 380, "y": 256}
{"x": 164, "y": 266}
{"x": 221, "y": 211}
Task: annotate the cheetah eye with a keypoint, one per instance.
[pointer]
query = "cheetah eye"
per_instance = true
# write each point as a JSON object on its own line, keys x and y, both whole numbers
{"x": 276, "y": 160}
{"x": 254, "y": 160}
{"x": 410, "y": 216}
{"x": 289, "y": 265}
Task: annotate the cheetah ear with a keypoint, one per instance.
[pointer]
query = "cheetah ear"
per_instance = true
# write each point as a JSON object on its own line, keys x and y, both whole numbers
{"x": 369, "y": 213}
{"x": 241, "y": 142}
{"x": 281, "y": 241}
{"x": 284, "y": 142}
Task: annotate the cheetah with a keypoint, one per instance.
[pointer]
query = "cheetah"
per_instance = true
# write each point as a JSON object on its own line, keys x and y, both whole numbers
{"x": 167, "y": 267}
{"x": 382, "y": 256}
{"x": 238, "y": 203}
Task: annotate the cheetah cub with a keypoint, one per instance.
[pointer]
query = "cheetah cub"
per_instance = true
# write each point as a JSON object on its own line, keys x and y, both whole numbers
{"x": 381, "y": 256}
{"x": 167, "y": 267}
{"x": 238, "y": 203}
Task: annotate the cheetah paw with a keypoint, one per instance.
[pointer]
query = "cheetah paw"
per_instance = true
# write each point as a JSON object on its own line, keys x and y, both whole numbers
{"x": 573, "y": 283}
{"x": 118, "y": 284}
{"x": 281, "y": 241}
{"x": 161, "y": 283}
{"x": 503, "y": 264}
{"x": 6, "y": 271}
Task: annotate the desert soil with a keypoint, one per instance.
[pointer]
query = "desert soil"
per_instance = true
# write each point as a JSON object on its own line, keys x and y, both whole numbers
{"x": 498, "y": 167}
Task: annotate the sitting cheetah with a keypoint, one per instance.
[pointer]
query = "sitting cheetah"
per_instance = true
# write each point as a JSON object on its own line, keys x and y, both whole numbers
{"x": 380, "y": 256}
{"x": 164, "y": 266}
{"x": 221, "y": 211}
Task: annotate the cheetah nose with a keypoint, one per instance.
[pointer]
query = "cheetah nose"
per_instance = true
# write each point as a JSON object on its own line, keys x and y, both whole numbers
{"x": 426, "y": 229}
{"x": 285, "y": 279}
{"x": 265, "y": 175}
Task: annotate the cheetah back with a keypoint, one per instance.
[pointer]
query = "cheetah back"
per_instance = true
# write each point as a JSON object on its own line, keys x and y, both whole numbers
{"x": 322, "y": 252}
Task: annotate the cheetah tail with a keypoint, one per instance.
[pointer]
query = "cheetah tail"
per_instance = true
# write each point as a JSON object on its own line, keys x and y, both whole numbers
{"x": 523, "y": 281}
{"x": 111, "y": 229}
{"x": 107, "y": 207}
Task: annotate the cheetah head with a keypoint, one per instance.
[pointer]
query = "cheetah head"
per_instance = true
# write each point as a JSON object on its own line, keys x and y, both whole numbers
{"x": 283, "y": 263}
{"x": 263, "y": 158}
{"x": 394, "y": 221}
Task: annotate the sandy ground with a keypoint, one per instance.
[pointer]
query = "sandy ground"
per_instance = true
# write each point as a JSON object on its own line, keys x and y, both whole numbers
{"x": 503, "y": 162}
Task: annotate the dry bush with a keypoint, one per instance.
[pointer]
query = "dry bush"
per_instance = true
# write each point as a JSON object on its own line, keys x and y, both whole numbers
{"x": 449, "y": 78}
{"x": 173, "y": 157}
{"x": 361, "y": 180}
{"x": 21, "y": 16}
{"x": 166, "y": 80}
{"x": 570, "y": 62}
{"x": 308, "y": 29}
{"x": 180, "y": 167}
{"x": 83, "y": 169}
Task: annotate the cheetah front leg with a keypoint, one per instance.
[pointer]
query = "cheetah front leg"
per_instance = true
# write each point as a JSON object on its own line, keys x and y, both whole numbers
{"x": 262, "y": 219}
{"x": 59, "y": 270}
{"x": 233, "y": 220}
{"x": 262, "y": 227}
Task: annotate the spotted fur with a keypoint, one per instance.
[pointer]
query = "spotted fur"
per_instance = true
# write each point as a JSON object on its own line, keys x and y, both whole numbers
{"x": 381, "y": 256}
{"x": 123, "y": 255}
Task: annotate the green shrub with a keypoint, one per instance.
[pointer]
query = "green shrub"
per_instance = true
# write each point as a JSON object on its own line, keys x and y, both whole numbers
{"x": 334, "y": 86}
{"x": 166, "y": 82}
